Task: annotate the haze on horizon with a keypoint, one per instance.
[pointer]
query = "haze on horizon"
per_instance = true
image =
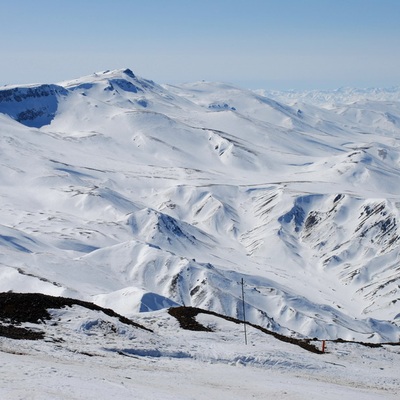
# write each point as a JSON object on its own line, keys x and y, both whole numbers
{"x": 257, "y": 44}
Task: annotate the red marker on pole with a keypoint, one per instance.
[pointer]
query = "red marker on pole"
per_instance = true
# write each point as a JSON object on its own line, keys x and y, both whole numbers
{"x": 323, "y": 346}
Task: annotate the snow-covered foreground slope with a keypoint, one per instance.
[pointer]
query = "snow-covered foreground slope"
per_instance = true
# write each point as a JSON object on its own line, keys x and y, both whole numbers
{"x": 138, "y": 197}
{"x": 92, "y": 354}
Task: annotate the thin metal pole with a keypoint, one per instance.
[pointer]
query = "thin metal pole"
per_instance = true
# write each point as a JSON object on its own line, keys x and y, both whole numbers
{"x": 244, "y": 313}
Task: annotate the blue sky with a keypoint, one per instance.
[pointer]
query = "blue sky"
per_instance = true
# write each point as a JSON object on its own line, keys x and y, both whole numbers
{"x": 270, "y": 44}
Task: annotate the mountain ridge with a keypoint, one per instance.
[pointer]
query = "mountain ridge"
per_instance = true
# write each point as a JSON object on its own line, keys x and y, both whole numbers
{"x": 173, "y": 194}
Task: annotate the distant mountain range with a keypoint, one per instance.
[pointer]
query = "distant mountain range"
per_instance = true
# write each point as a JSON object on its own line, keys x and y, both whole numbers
{"x": 138, "y": 196}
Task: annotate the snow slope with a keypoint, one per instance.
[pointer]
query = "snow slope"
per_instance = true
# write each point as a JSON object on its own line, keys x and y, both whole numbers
{"x": 91, "y": 353}
{"x": 140, "y": 196}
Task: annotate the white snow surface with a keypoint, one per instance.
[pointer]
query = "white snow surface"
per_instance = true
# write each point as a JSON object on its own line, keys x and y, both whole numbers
{"x": 139, "y": 196}
{"x": 88, "y": 355}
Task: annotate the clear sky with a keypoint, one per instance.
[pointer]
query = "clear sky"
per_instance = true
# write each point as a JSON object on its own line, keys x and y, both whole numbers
{"x": 270, "y": 44}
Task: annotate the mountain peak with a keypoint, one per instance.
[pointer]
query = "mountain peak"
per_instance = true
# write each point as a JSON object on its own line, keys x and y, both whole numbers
{"x": 101, "y": 76}
{"x": 129, "y": 73}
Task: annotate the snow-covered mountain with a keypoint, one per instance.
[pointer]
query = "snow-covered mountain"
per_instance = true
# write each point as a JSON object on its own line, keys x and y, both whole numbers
{"x": 139, "y": 196}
